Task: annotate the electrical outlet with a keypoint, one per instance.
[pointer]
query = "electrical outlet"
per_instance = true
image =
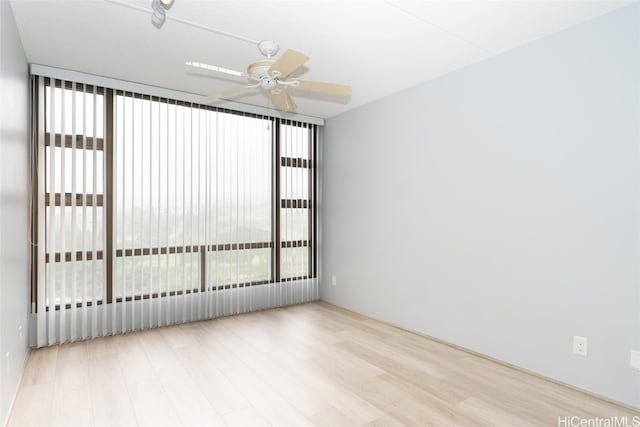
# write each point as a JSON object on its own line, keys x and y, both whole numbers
{"x": 580, "y": 346}
{"x": 334, "y": 280}
{"x": 635, "y": 360}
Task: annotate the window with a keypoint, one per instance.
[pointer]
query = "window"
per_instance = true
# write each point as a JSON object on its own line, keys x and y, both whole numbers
{"x": 192, "y": 186}
{"x": 295, "y": 201}
{"x": 149, "y": 197}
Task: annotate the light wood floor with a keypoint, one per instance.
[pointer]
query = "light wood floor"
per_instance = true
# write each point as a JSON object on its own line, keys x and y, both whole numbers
{"x": 312, "y": 364}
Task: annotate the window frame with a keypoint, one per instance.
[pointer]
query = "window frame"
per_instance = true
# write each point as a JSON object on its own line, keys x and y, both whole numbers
{"x": 105, "y": 200}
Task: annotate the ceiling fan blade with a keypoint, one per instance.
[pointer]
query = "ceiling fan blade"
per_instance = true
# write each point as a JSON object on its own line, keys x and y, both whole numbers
{"x": 229, "y": 92}
{"x": 283, "y": 101}
{"x": 215, "y": 68}
{"x": 288, "y": 62}
{"x": 323, "y": 87}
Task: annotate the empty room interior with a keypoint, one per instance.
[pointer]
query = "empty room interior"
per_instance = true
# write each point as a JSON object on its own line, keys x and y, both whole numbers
{"x": 319, "y": 213}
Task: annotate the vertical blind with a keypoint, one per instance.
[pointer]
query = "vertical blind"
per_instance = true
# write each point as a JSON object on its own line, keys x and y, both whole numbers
{"x": 154, "y": 211}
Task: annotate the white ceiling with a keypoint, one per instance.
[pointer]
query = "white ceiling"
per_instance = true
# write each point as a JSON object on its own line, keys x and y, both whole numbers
{"x": 379, "y": 47}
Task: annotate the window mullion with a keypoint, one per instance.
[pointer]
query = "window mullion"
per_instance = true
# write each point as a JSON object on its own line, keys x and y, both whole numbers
{"x": 276, "y": 200}
{"x": 109, "y": 207}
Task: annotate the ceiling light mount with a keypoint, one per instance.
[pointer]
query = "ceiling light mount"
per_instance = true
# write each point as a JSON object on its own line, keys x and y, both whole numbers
{"x": 167, "y": 5}
{"x": 268, "y": 48}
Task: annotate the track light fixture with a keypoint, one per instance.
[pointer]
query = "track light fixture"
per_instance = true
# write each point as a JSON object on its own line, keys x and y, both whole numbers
{"x": 159, "y": 14}
{"x": 166, "y": 5}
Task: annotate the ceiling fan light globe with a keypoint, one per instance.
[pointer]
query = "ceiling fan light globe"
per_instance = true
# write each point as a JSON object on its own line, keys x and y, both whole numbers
{"x": 268, "y": 83}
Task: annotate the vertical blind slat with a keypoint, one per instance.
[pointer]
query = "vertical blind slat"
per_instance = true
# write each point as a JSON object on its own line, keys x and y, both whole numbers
{"x": 121, "y": 265}
{"x": 74, "y": 296}
{"x": 236, "y": 292}
{"x": 314, "y": 233}
{"x": 198, "y": 217}
{"x": 114, "y": 211}
{"x": 216, "y": 221}
{"x": 51, "y": 240}
{"x": 192, "y": 218}
{"x": 165, "y": 310}
{"x": 223, "y": 181}
{"x": 184, "y": 215}
{"x": 298, "y": 185}
{"x": 266, "y": 150}
{"x": 83, "y": 233}
{"x": 134, "y": 290}
{"x": 175, "y": 197}
{"x": 300, "y": 213}
{"x": 289, "y": 214}
{"x": 105, "y": 207}
{"x": 42, "y": 332}
{"x": 153, "y": 222}
{"x": 207, "y": 213}
{"x": 141, "y": 220}
{"x": 94, "y": 248}
{"x": 305, "y": 132}
{"x": 158, "y": 179}
{"x": 312, "y": 192}
{"x": 288, "y": 227}
{"x": 63, "y": 243}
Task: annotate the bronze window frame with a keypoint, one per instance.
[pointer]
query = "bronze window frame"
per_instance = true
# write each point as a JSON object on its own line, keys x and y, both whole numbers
{"x": 106, "y": 202}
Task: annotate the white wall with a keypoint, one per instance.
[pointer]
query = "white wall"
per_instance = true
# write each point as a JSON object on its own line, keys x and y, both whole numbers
{"x": 497, "y": 207}
{"x": 14, "y": 207}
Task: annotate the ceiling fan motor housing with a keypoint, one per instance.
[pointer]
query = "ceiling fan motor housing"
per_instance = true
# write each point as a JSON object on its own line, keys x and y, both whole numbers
{"x": 259, "y": 71}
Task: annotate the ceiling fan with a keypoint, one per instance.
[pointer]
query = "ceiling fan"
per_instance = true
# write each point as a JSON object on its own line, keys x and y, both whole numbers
{"x": 274, "y": 77}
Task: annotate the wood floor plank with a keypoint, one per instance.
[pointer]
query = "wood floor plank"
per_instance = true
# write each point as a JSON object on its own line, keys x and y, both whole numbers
{"x": 32, "y": 406}
{"x": 111, "y": 403}
{"x": 385, "y": 421}
{"x": 41, "y": 366}
{"x": 289, "y": 385}
{"x": 72, "y": 406}
{"x": 409, "y": 404}
{"x": 331, "y": 417}
{"x": 102, "y": 347}
{"x": 187, "y": 400}
{"x": 132, "y": 359}
{"x": 219, "y": 391}
{"x": 266, "y": 400}
{"x": 246, "y": 417}
{"x": 151, "y": 404}
{"x": 484, "y": 412}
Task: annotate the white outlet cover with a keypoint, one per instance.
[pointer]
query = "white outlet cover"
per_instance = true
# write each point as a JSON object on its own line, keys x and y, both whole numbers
{"x": 580, "y": 346}
{"x": 635, "y": 360}
{"x": 334, "y": 280}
